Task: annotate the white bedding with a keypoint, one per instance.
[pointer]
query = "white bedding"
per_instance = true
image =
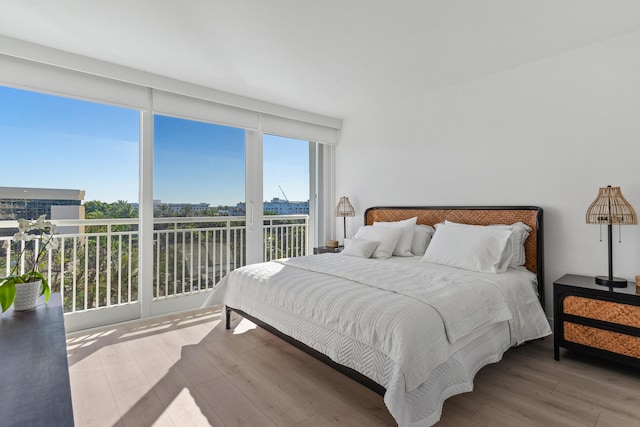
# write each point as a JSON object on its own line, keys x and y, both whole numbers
{"x": 419, "y": 329}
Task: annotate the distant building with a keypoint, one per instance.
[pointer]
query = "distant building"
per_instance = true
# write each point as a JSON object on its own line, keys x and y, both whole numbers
{"x": 284, "y": 207}
{"x": 30, "y": 203}
{"x": 177, "y": 208}
{"x": 238, "y": 210}
{"x": 276, "y": 207}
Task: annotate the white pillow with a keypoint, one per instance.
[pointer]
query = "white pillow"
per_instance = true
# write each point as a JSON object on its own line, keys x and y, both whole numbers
{"x": 387, "y": 238}
{"x": 360, "y": 248}
{"x": 514, "y": 254}
{"x": 515, "y": 247}
{"x": 403, "y": 247}
{"x": 471, "y": 247}
{"x": 421, "y": 237}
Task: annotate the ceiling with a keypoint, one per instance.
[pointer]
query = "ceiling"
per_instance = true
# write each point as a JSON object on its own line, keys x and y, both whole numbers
{"x": 331, "y": 57}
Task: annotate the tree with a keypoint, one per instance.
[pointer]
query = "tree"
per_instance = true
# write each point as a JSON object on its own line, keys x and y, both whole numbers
{"x": 163, "y": 211}
{"x": 122, "y": 209}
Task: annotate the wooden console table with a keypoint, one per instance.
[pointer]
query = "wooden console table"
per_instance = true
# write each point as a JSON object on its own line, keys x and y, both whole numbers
{"x": 34, "y": 372}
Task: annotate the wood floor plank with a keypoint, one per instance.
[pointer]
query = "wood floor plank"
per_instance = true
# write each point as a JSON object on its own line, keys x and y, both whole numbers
{"x": 231, "y": 404}
{"x": 529, "y": 394}
{"x": 195, "y": 367}
{"x": 456, "y": 420}
{"x": 121, "y": 368}
{"x": 93, "y": 402}
{"x": 141, "y": 407}
{"x": 184, "y": 404}
{"x": 302, "y": 383}
{"x": 188, "y": 408}
{"x": 188, "y": 370}
{"x": 271, "y": 400}
{"x": 613, "y": 419}
{"x": 497, "y": 415}
{"x": 276, "y": 404}
{"x": 349, "y": 392}
{"x": 314, "y": 421}
{"x": 464, "y": 405}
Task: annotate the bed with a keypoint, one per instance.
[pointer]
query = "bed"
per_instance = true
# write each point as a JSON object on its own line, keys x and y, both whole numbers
{"x": 414, "y": 328}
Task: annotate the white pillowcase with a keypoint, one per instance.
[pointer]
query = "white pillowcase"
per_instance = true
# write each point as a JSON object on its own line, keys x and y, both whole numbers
{"x": 387, "y": 238}
{"x": 422, "y": 235}
{"x": 403, "y": 247}
{"x": 360, "y": 248}
{"x": 471, "y": 247}
{"x": 514, "y": 254}
{"x": 515, "y": 247}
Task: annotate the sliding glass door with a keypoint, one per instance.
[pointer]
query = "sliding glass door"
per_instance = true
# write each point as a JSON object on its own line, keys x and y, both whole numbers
{"x": 199, "y": 204}
{"x": 286, "y": 189}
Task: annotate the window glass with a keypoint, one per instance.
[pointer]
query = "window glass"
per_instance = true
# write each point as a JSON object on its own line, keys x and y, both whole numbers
{"x": 286, "y": 192}
{"x": 62, "y": 143}
{"x": 286, "y": 175}
{"x": 199, "y": 187}
{"x": 71, "y": 159}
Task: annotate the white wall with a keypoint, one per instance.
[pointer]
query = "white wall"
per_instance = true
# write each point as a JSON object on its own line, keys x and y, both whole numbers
{"x": 549, "y": 134}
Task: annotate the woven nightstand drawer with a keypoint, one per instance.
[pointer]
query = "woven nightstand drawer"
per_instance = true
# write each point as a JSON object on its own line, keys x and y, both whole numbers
{"x": 615, "y": 342}
{"x": 593, "y": 319}
{"x": 607, "y": 311}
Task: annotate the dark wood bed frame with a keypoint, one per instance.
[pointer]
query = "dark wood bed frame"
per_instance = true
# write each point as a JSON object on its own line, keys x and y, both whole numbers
{"x": 430, "y": 215}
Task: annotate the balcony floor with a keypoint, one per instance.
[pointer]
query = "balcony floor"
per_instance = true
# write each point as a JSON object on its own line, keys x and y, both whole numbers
{"x": 187, "y": 370}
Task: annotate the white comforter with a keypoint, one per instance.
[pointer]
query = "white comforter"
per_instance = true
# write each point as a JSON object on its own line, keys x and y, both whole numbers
{"x": 395, "y": 322}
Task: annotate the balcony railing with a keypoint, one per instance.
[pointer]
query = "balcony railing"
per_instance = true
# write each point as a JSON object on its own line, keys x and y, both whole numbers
{"x": 96, "y": 264}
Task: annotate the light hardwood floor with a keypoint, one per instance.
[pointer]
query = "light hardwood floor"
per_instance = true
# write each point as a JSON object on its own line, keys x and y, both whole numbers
{"x": 187, "y": 370}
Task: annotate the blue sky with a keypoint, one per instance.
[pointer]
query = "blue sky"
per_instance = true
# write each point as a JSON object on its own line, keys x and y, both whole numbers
{"x": 94, "y": 147}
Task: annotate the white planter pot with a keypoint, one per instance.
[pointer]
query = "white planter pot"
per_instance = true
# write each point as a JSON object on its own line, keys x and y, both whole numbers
{"x": 27, "y": 296}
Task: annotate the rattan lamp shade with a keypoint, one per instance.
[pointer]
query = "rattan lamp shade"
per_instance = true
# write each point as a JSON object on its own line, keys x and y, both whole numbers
{"x": 344, "y": 209}
{"x": 610, "y": 207}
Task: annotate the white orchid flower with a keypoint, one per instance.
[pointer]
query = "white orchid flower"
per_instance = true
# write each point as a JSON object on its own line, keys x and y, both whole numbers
{"x": 19, "y": 236}
{"x": 47, "y": 239}
{"x": 41, "y": 224}
{"x": 23, "y": 225}
{"x": 49, "y": 227}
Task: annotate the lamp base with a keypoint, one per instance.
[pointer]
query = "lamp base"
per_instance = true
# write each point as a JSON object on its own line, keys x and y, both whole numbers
{"x": 614, "y": 282}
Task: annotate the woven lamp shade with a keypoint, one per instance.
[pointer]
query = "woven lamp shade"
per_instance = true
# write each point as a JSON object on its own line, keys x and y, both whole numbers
{"x": 610, "y": 207}
{"x": 344, "y": 208}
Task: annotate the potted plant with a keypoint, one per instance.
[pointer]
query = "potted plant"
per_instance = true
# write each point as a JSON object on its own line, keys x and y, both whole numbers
{"x": 33, "y": 238}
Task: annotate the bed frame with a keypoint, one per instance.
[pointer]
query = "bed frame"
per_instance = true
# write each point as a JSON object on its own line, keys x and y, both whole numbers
{"x": 430, "y": 215}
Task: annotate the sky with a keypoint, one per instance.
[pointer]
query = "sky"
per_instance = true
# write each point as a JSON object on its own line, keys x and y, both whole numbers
{"x": 88, "y": 146}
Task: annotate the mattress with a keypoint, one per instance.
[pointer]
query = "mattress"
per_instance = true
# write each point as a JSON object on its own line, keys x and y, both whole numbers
{"x": 420, "y": 330}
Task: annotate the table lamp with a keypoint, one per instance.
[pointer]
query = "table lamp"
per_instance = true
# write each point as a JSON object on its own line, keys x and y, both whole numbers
{"x": 344, "y": 209}
{"x": 609, "y": 208}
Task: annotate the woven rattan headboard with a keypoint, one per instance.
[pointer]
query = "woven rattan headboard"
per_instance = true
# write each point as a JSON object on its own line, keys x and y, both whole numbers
{"x": 479, "y": 215}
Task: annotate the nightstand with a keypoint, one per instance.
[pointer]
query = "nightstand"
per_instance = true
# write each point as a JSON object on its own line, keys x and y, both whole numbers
{"x": 596, "y": 320}
{"x": 326, "y": 250}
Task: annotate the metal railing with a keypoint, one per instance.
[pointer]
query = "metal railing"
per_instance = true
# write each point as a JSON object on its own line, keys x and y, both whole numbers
{"x": 96, "y": 264}
{"x": 285, "y": 236}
